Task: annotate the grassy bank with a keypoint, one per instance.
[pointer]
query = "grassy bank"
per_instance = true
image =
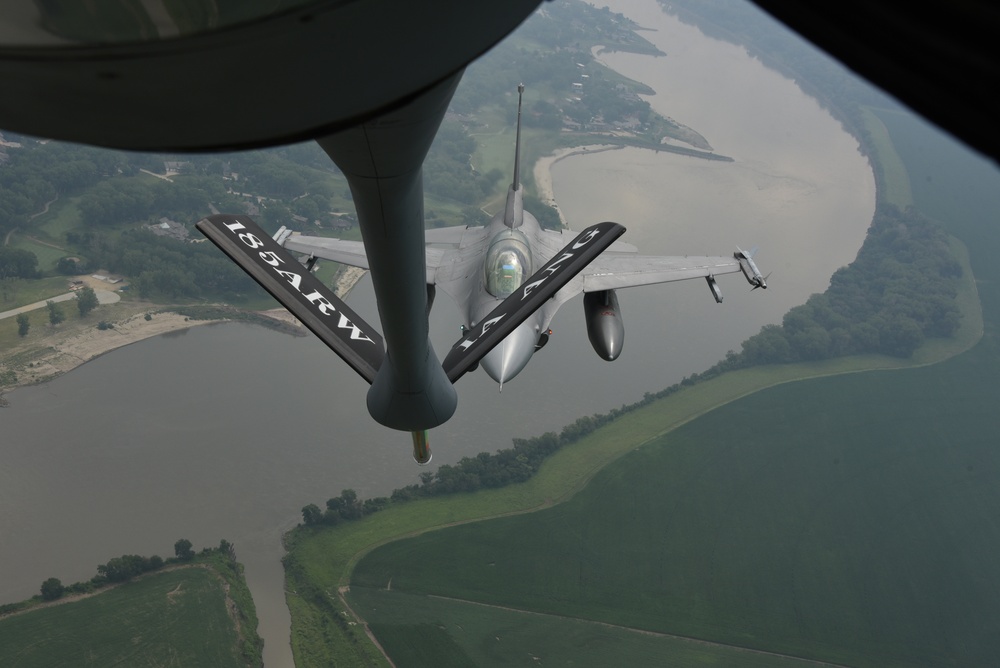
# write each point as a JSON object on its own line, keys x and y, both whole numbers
{"x": 200, "y": 615}
{"x": 470, "y": 634}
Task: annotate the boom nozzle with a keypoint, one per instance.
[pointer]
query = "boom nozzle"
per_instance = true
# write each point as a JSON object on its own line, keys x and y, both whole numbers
{"x": 421, "y": 447}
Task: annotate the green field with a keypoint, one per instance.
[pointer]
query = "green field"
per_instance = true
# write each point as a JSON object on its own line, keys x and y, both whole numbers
{"x": 173, "y": 618}
{"x": 893, "y": 179}
{"x": 63, "y": 216}
{"x": 464, "y": 634}
{"x": 47, "y": 255}
{"x": 23, "y": 292}
{"x": 814, "y": 519}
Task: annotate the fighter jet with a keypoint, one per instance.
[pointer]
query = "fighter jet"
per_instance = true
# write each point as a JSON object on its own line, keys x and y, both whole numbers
{"x": 479, "y": 267}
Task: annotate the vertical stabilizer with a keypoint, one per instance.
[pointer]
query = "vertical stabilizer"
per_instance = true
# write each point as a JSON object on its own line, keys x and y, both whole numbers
{"x": 513, "y": 214}
{"x": 516, "y": 184}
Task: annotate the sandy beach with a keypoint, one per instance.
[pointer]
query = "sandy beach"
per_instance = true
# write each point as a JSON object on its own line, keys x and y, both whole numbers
{"x": 43, "y": 358}
{"x": 543, "y": 173}
{"x": 56, "y": 351}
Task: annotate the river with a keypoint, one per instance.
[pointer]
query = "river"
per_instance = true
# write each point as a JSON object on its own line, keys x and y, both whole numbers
{"x": 227, "y": 431}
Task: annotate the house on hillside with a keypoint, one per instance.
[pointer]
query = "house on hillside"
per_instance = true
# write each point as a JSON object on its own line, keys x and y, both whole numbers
{"x": 169, "y": 228}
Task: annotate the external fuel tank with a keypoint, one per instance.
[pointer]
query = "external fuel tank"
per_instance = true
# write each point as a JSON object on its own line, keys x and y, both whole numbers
{"x": 604, "y": 323}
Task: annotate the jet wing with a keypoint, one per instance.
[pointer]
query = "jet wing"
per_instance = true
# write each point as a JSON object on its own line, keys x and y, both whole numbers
{"x": 611, "y": 271}
{"x": 447, "y": 235}
{"x": 351, "y": 253}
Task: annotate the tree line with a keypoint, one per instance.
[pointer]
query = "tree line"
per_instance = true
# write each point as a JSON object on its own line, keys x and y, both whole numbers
{"x": 448, "y": 172}
{"x": 86, "y": 301}
{"x": 18, "y": 263}
{"x": 38, "y": 173}
{"x": 484, "y": 471}
{"x": 118, "y": 201}
{"x": 161, "y": 266}
{"x": 122, "y": 569}
{"x": 899, "y": 291}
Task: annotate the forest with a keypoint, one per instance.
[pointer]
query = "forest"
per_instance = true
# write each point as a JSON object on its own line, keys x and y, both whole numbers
{"x": 899, "y": 291}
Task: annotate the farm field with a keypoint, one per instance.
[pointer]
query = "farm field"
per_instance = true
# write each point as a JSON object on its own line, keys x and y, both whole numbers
{"x": 796, "y": 521}
{"x": 464, "y": 634}
{"x": 173, "y": 618}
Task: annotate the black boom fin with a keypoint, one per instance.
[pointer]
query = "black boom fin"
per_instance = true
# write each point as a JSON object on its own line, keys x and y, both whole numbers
{"x": 304, "y": 295}
{"x": 534, "y": 292}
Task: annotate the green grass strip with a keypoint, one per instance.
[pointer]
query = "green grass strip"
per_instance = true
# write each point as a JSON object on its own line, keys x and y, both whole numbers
{"x": 894, "y": 182}
{"x": 175, "y": 617}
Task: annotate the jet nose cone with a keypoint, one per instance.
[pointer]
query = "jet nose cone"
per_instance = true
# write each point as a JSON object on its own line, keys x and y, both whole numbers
{"x": 511, "y": 355}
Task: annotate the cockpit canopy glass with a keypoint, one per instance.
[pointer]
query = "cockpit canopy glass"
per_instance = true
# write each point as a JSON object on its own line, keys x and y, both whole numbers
{"x": 508, "y": 263}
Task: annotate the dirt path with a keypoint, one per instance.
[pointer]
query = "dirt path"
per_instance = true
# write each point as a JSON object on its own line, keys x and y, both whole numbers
{"x": 359, "y": 620}
{"x": 45, "y": 209}
{"x": 655, "y": 634}
{"x": 72, "y": 598}
{"x": 103, "y": 297}
{"x": 44, "y": 243}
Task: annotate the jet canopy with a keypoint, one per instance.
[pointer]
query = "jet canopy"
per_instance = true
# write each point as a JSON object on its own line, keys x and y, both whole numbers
{"x": 508, "y": 263}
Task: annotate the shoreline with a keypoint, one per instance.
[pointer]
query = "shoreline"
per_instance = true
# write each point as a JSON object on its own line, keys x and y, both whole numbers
{"x": 46, "y": 358}
{"x": 542, "y": 172}
{"x": 62, "y": 354}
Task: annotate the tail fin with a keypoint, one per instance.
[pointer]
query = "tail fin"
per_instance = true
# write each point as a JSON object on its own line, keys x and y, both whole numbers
{"x": 513, "y": 214}
{"x": 516, "y": 185}
{"x": 304, "y": 295}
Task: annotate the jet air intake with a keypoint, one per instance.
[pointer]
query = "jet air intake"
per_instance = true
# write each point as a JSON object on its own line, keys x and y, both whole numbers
{"x": 605, "y": 327}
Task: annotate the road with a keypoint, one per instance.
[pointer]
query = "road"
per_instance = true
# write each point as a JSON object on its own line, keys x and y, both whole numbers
{"x": 103, "y": 297}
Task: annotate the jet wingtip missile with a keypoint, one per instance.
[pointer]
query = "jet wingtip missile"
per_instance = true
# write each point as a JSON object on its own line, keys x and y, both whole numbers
{"x": 749, "y": 268}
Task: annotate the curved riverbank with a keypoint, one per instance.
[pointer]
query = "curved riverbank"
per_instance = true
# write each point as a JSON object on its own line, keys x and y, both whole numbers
{"x": 543, "y": 172}
{"x": 61, "y": 349}
{"x": 65, "y": 347}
